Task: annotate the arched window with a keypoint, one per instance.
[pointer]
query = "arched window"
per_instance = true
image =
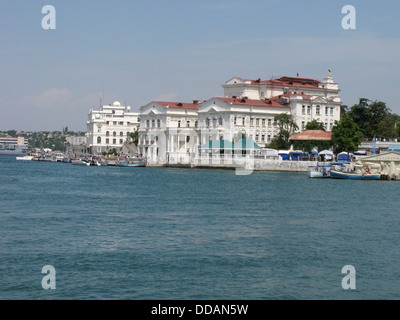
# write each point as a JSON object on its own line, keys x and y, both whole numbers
{"x": 220, "y": 121}
{"x": 98, "y": 140}
{"x": 208, "y": 122}
{"x": 121, "y": 134}
{"x": 215, "y": 122}
{"x": 114, "y": 134}
{"x": 153, "y": 123}
{"x": 158, "y": 123}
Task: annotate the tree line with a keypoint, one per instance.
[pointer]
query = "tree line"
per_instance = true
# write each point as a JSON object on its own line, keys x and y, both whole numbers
{"x": 363, "y": 121}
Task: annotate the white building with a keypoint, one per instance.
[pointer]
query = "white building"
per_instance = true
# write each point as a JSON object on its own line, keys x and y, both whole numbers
{"x": 308, "y": 99}
{"x": 232, "y": 118}
{"x": 110, "y": 126}
{"x": 168, "y": 131}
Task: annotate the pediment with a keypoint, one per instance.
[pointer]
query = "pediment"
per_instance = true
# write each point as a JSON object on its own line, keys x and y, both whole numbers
{"x": 152, "y": 108}
{"x": 212, "y": 105}
{"x": 319, "y": 100}
{"x": 236, "y": 80}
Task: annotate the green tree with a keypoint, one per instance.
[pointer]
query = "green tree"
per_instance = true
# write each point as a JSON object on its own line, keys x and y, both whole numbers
{"x": 315, "y": 125}
{"x": 346, "y": 135}
{"x": 135, "y": 137}
{"x": 287, "y": 126}
{"x": 12, "y": 133}
{"x": 369, "y": 115}
{"x": 387, "y": 128}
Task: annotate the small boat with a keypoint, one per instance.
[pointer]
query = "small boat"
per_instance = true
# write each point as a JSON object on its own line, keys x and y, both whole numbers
{"x": 357, "y": 176}
{"x": 80, "y": 162}
{"x": 103, "y": 162}
{"x": 321, "y": 170}
{"x": 132, "y": 164}
{"x": 25, "y": 158}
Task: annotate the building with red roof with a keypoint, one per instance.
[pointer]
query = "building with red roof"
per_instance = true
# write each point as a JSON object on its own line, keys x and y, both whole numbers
{"x": 308, "y": 99}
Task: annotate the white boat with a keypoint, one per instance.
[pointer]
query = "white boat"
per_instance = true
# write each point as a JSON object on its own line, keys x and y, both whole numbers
{"x": 25, "y": 158}
{"x": 81, "y": 162}
{"x": 321, "y": 170}
{"x": 357, "y": 176}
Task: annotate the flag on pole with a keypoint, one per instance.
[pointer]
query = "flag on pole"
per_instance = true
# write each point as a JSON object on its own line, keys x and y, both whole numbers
{"x": 329, "y": 71}
{"x": 297, "y": 74}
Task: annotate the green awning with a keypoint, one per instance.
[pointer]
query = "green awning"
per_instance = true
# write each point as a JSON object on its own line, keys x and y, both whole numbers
{"x": 217, "y": 144}
{"x": 246, "y": 144}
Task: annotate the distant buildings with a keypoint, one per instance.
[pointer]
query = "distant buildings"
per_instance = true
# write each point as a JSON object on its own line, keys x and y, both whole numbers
{"x": 109, "y": 127}
{"x": 173, "y": 131}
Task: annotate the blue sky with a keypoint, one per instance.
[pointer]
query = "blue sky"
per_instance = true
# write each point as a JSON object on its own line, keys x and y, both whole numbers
{"x": 138, "y": 51}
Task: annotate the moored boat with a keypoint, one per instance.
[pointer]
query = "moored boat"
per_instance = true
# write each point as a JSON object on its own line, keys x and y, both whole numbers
{"x": 321, "y": 170}
{"x": 25, "y": 158}
{"x": 132, "y": 164}
{"x": 80, "y": 162}
{"x": 356, "y": 176}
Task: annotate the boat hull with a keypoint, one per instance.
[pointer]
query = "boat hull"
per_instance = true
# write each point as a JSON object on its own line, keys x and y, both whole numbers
{"x": 136, "y": 164}
{"x": 318, "y": 174}
{"x": 80, "y": 163}
{"x": 354, "y": 176}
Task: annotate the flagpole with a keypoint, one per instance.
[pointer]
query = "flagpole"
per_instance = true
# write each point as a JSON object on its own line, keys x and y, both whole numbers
{"x": 374, "y": 144}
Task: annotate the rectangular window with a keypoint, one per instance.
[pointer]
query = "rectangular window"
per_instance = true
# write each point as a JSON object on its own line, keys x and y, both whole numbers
{"x": 317, "y": 112}
{"x": 303, "y": 125}
{"x": 263, "y": 122}
{"x": 303, "y": 110}
{"x": 331, "y": 111}
{"x": 326, "y": 110}
{"x": 121, "y": 141}
{"x": 234, "y": 120}
{"x": 114, "y": 141}
{"x": 107, "y": 141}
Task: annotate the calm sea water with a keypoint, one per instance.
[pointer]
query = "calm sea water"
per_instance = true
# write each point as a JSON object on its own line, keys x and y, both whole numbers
{"x": 164, "y": 233}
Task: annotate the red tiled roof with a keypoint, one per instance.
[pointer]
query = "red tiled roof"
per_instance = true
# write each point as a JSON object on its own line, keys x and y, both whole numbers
{"x": 287, "y": 82}
{"x": 178, "y": 105}
{"x": 250, "y": 102}
{"x": 312, "y": 135}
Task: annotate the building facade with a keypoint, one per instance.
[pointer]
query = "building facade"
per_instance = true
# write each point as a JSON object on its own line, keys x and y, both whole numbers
{"x": 171, "y": 132}
{"x": 233, "y": 119}
{"x": 167, "y": 131}
{"x": 109, "y": 127}
{"x": 308, "y": 99}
